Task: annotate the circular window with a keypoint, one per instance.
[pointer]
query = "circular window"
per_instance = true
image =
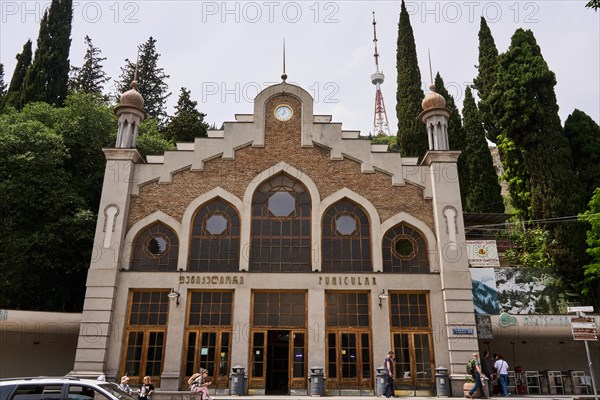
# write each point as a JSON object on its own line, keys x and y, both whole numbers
{"x": 157, "y": 245}
{"x": 345, "y": 225}
{"x": 281, "y": 204}
{"x": 215, "y": 224}
{"x": 405, "y": 247}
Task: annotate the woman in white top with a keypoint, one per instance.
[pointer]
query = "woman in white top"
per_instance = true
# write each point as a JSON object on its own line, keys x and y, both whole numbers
{"x": 501, "y": 367}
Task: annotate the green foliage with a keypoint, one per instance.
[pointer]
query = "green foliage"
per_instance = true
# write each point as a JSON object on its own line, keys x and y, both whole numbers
{"x": 483, "y": 191}
{"x": 90, "y": 77}
{"x": 86, "y": 124}
{"x": 584, "y": 138}
{"x": 188, "y": 123}
{"x": 412, "y": 136}
{"x": 43, "y": 221}
{"x": 2, "y": 83}
{"x": 150, "y": 140}
{"x": 391, "y": 141}
{"x": 51, "y": 171}
{"x": 47, "y": 78}
{"x": 151, "y": 80}
{"x": 531, "y": 248}
{"x": 535, "y": 150}
{"x": 593, "y": 4}
{"x": 13, "y": 96}
{"x": 591, "y": 283}
{"x": 486, "y": 78}
{"x": 456, "y": 135}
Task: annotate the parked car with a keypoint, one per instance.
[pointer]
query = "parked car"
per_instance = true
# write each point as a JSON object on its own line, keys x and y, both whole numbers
{"x": 63, "y": 388}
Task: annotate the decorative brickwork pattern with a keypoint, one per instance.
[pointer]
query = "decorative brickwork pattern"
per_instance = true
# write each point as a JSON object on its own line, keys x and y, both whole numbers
{"x": 282, "y": 143}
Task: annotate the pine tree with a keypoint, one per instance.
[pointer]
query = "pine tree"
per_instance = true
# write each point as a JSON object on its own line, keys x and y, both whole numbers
{"x": 524, "y": 104}
{"x": 188, "y": 123}
{"x": 47, "y": 78}
{"x": 412, "y": 136}
{"x": 488, "y": 68}
{"x": 90, "y": 77}
{"x": 484, "y": 193}
{"x": 456, "y": 135}
{"x": 593, "y": 4}
{"x": 13, "y": 96}
{"x": 150, "y": 78}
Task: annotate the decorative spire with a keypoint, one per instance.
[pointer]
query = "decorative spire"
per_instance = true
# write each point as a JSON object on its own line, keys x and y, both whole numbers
{"x": 284, "y": 75}
{"x": 432, "y": 84}
{"x": 435, "y": 116}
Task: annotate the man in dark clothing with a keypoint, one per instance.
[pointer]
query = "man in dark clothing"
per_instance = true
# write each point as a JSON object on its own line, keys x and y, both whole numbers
{"x": 388, "y": 363}
{"x": 488, "y": 369}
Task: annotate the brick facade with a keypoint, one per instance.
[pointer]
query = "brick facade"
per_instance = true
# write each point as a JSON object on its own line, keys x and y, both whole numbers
{"x": 282, "y": 143}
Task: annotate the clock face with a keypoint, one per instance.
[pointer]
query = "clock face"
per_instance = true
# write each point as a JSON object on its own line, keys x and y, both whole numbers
{"x": 283, "y": 113}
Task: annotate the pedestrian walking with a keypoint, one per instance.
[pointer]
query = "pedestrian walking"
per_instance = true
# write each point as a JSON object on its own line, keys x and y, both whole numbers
{"x": 502, "y": 370}
{"x": 388, "y": 363}
{"x": 474, "y": 368}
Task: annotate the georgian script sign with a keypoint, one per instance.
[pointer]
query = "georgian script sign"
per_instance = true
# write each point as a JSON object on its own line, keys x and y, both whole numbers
{"x": 211, "y": 280}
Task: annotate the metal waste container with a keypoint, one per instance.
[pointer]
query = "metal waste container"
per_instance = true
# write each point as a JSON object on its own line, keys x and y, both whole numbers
{"x": 442, "y": 382}
{"x": 317, "y": 382}
{"x": 237, "y": 381}
{"x": 380, "y": 380}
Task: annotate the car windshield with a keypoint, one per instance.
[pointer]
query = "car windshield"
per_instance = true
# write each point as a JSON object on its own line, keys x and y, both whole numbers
{"x": 116, "y": 391}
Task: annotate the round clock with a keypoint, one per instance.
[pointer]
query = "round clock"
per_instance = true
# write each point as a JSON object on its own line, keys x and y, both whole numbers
{"x": 283, "y": 112}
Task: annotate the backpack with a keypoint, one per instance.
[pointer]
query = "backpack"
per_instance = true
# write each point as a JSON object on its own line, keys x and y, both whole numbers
{"x": 470, "y": 367}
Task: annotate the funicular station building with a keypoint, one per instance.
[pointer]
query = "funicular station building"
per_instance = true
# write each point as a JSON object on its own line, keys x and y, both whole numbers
{"x": 279, "y": 243}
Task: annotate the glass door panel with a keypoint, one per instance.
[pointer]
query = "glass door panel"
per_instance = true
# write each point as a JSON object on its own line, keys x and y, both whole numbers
{"x": 349, "y": 360}
{"x": 349, "y": 356}
{"x": 332, "y": 360}
{"x": 414, "y": 361}
{"x": 257, "y": 360}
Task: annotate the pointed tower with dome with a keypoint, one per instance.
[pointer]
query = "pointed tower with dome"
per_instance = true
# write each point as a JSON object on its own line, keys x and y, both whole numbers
{"x": 102, "y": 283}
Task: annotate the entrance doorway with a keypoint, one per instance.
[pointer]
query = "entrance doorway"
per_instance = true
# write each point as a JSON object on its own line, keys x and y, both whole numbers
{"x": 278, "y": 356}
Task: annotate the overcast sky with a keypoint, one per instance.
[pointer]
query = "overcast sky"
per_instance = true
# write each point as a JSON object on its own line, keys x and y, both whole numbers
{"x": 225, "y": 52}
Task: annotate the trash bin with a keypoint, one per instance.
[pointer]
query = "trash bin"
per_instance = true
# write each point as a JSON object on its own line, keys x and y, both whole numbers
{"x": 380, "y": 379}
{"x": 237, "y": 381}
{"x": 317, "y": 382}
{"x": 442, "y": 382}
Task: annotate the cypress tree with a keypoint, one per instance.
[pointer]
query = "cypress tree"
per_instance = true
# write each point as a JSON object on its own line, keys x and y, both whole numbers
{"x": 487, "y": 68}
{"x": 47, "y": 78}
{"x": 484, "y": 193}
{"x": 188, "y": 123}
{"x": 16, "y": 83}
{"x": 90, "y": 77}
{"x": 524, "y": 104}
{"x": 150, "y": 78}
{"x": 456, "y": 134}
{"x": 412, "y": 136}
{"x": 584, "y": 138}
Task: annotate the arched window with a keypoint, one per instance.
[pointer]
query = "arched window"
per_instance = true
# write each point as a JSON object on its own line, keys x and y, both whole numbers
{"x": 346, "y": 238}
{"x": 281, "y": 210}
{"x": 215, "y": 241}
{"x": 155, "y": 249}
{"x": 405, "y": 251}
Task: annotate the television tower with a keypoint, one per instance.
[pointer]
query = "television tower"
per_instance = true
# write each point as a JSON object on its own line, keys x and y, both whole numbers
{"x": 380, "y": 119}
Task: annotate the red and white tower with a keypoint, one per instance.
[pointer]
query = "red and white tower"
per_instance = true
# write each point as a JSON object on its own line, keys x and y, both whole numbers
{"x": 380, "y": 119}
